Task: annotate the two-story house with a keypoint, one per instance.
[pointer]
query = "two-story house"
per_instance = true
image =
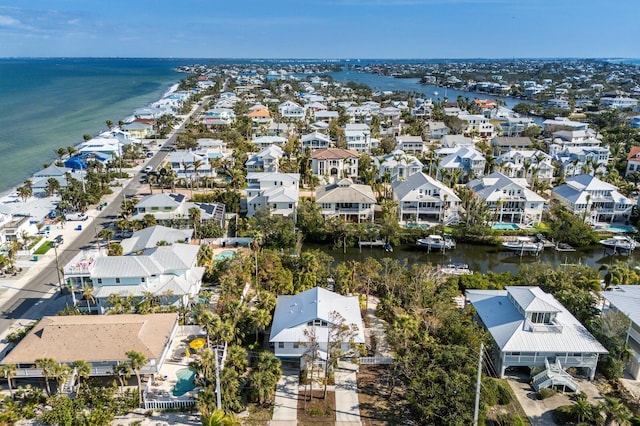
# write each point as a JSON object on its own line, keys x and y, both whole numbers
{"x": 478, "y": 125}
{"x": 397, "y": 165}
{"x": 410, "y": 144}
{"x": 267, "y": 160}
{"x": 633, "y": 161}
{"x": 625, "y": 299}
{"x": 189, "y": 166}
{"x": 467, "y": 159}
{"x": 291, "y": 110}
{"x": 508, "y": 199}
{"x": 278, "y": 192}
{"x": 171, "y": 209}
{"x": 423, "y": 199}
{"x": 593, "y": 200}
{"x": 345, "y": 199}
{"x": 315, "y": 140}
{"x": 527, "y": 164}
{"x": 334, "y": 163}
{"x": 358, "y": 137}
{"x": 530, "y": 328}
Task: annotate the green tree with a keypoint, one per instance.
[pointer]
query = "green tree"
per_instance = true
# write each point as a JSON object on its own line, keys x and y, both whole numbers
{"x": 48, "y": 366}
{"x": 137, "y": 360}
{"x": 9, "y": 372}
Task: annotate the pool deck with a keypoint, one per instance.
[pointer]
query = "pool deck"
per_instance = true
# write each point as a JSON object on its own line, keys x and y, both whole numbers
{"x": 160, "y": 388}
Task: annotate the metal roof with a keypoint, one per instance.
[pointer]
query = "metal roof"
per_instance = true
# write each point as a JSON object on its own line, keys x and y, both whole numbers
{"x": 626, "y": 299}
{"x": 507, "y": 324}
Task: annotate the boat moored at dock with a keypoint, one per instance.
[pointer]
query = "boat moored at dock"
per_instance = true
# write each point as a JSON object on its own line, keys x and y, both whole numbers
{"x": 437, "y": 242}
{"x": 524, "y": 245}
{"x": 618, "y": 242}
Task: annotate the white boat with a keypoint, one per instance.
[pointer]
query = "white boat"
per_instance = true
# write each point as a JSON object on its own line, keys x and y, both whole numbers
{"x": 435, "y": 93}
{"x": 620, "y": 243}
{"x": 524, "y": 245}
{"x": 456, "y": 269}
{"x": 437, "y": 242}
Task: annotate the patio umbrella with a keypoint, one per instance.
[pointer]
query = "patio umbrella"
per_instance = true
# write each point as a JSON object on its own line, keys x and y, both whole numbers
{"x": 198, "y": 343}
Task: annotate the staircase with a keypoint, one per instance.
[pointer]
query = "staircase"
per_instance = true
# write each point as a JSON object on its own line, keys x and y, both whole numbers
{"x": 553, "y": 375}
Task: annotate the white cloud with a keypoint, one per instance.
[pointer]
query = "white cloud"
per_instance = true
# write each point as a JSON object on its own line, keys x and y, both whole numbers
{"x": 8, "y": 21}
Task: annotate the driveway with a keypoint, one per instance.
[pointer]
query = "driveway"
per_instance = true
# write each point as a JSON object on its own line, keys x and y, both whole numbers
{"x": 285, "y": 407}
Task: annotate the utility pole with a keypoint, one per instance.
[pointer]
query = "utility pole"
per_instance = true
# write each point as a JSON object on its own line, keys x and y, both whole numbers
{"x": 218, "y": 396}
{"x": 478, "y": 383}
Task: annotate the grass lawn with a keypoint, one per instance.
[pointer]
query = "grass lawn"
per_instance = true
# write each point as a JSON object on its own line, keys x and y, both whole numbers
{"x": 43, "y": 248}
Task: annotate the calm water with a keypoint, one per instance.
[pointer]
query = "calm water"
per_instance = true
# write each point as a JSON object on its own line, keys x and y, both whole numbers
{"x": 482, "y": 258}
{"x": 50, "y": 103}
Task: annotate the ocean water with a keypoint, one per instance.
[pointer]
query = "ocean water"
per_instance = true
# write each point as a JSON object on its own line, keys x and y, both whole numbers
{"x": 50, "y": 103}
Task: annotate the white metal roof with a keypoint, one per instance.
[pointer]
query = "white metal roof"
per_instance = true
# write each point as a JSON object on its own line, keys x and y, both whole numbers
{"x": 507, "y": 324}
{"x": 626, "y": 299}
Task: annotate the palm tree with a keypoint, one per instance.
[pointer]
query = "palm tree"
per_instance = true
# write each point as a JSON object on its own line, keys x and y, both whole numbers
{"x": 24, "y": 192}
{"x": 261, "y": 319}
{"x": 583, "y": 409}
{"x": 195, "y": 214}
{"x": 9, "y": 372}
{"x": 615, "y": 412}
{"x": 83, "y": 370}
{"x": 106, "y": 234}
{"x": 48, "y": 366}
{"x": 196, "y": 165}
{"x": 60, "y": 152}
{"x": 71, "y": 150}
{"x": 137, "y": 360}
{"x": 53, "y": 186}
{"x": 219, "y": 418}
{"x": 61, "y": 372}
{"x": 122, "y": 372}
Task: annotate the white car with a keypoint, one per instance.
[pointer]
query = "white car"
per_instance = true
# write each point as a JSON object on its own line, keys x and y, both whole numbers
{"x": 148, "y": 169}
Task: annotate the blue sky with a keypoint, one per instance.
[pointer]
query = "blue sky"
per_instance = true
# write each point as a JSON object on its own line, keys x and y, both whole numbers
{"x": 320, "y": 28}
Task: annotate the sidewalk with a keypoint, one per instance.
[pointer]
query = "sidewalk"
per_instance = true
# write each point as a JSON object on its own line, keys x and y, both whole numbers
{"x": 346, "y": 393}
{"x": 285, "y": 406}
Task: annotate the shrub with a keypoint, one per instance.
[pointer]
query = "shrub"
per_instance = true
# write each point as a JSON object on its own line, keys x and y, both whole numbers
{"x": 316, "y": 412}
{"x": 546, "y": 393}
{"x": 508, "y": 419}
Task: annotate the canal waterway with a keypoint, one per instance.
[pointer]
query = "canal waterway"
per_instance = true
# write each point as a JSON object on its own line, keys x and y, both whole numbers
{"x": 482, "y": 259}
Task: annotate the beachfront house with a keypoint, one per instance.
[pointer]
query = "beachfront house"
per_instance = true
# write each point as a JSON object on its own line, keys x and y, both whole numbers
{"x": 530, "y": 328}
{"x": 40, "y": 182}
{"x": 267, "y": 160}
{"x": 100, "y": 340}
{"x": 334, "y": 163}
{"x": 173, "y": 210}
{"x": 279, "y": 192}
{"x": 422, "y": 199}
{"x": 345, "y": 199}
{"x": 140, "y": 128}
{"x": 315, "y": 312}
{"x": 593, "y": 200}
{"x": 397, "y": 165}
{"x": 167, "y": 274}
{"x": 625, "y": 300}
{"x": 508, "y": 199}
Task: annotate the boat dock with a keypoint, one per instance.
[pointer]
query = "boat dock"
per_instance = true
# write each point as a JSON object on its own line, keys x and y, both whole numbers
{"x": 374, "y": 243}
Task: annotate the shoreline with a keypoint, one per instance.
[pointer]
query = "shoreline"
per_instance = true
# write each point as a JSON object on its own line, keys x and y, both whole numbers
{"x": 6, "y": 195}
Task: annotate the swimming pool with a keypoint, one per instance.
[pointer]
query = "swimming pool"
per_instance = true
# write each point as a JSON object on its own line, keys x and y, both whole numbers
{"x": 223, "y": 255}
{"x": 185, "y": 382}
{"x": 618, "y": 229}
{"x": 505, "y": 226}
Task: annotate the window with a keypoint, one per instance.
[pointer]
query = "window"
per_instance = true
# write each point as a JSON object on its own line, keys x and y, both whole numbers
{"x": 142, "y": 279}
{"x": 280, "y": 345}
{"x": 99, "y": 280}
{"x": 296, "y": 345}
{"x": 117, "y": 280}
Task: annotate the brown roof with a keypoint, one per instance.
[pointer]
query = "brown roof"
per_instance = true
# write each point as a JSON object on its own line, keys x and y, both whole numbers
{"x": 150, "y": 121}
{"x": 94, "y": 338}
{"x": 634, "y": 153}
{"x": 259, "y": 112}
{"x": 333, "y": 153}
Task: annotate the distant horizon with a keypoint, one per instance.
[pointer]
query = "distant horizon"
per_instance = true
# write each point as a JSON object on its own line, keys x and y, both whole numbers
{"x": 346, "y": 58}
{"x": 487, "y": 29}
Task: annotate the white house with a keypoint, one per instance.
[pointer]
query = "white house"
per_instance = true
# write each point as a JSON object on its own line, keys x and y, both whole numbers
{"x": 151, "y": 236}
{"x": 291, "y": 110}
{"x": 168, "y": 272}
{"x": 276, "y": 191}
{"x": 315, "y": 310}
{"x": 508, "y": 199}
{"x": 264, "y": 141}
{"x": 527, "y": 164}
{"x": 467, "y": 159}
{"x": 531, "y": 328}
{"x": 625, "y": 299}
{"x": 267, "y": 160}
{"x": 423, "y": 199}
{"x": 397, "y": 165}
{"x": 478, "y": 125}
{"x": 620, "y": 103}
{"x": 219, "y": 117}
{"x": 456, "y": 141}
{"x": 353, "y": 202}
{"x": 587, "y": 196}
{"x": 173, "y": 210}
{"x": 358, "y": 136}
{"x": 581, "y": 159}
{"x": 335, "y": 163}
{"x": 633, "y": 160}
{"x": 315, "y": 140}
{"x": 503, "y": 144}
{"x": 189, "y": 165}
{"x": 410, "y": 144}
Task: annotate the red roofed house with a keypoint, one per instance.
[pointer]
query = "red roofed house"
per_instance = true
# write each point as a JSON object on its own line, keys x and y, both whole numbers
{"x": 633, "y": 160}
{"x": 337, "y": 163}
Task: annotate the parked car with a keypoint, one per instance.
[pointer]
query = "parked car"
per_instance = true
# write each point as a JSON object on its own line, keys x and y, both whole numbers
{"x": 148, "y": 169}
{"x": 75, "y": 216}
{"x": 59, "y": 239}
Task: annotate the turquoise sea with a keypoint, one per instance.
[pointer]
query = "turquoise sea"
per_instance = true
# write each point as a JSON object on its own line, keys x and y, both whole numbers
{"x": 50, "y": 103}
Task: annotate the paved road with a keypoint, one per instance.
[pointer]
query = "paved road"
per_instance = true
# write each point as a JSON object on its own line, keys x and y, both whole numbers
{"x": 20, "y": 305}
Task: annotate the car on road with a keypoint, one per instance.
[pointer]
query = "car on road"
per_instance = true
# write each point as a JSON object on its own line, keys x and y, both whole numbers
{"x": 148, "y": 169}
{"x": 149, "y": 154}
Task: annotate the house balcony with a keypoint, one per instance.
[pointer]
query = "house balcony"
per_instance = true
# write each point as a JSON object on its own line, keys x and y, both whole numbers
{"x": 421, "y": 210}
{"x": 528, "y": 359}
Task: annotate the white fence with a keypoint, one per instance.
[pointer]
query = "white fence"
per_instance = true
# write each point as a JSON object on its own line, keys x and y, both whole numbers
{"x": 375, "y": 360}
{"x": 169, "y": 404}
